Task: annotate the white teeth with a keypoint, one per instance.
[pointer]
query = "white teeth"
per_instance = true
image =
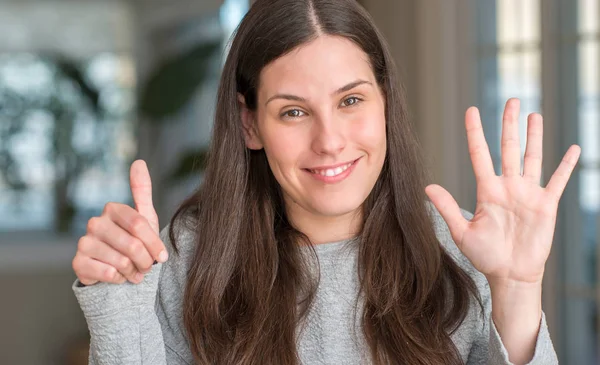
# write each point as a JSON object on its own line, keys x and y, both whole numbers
{"x": 332, "y": 172}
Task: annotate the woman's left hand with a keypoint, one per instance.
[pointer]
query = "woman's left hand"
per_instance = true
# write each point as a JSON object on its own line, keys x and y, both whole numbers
{"x": 510, "y": 235}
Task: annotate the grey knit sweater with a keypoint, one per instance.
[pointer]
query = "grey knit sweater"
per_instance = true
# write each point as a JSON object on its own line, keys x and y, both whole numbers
{"x": 142, "y": 324}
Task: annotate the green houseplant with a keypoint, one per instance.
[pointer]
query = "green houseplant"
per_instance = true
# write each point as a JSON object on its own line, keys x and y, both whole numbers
{"x": 169, "y": 87}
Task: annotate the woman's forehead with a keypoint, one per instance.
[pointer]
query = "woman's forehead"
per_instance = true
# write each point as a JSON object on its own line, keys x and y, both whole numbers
{"x": 324, "y": 64}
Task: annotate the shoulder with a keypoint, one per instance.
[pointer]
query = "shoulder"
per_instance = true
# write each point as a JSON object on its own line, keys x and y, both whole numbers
{"x": 171, "y": 288}
{"x": 447, "y": 242}
{"x": 473, "y": 329}
{"x": 176, "y": 267}
{"x": 173, "y": 272}
{"x": 185, "y": 239}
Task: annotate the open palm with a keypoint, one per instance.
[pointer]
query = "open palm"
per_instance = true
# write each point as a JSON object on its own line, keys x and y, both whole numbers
{"x": 510, "y": 234}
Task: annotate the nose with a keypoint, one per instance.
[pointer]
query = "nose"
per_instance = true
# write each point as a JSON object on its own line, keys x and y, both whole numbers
{"x": 329, "y": 137}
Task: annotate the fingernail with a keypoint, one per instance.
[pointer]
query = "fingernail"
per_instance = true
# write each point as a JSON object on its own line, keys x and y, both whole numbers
{"x": 163, "y": 256}
{"x": 139, "y": 277}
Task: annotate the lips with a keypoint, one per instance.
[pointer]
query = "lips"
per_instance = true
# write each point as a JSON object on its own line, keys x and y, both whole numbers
{"x": 333, "y": 173}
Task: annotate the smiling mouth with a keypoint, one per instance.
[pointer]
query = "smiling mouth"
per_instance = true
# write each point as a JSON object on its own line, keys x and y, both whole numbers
{"x": 331, "y": 172}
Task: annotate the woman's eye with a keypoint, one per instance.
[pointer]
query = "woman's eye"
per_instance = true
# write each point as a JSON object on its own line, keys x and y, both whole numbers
{"x": 292, "y": 113}
{"x": 350, "y": 101}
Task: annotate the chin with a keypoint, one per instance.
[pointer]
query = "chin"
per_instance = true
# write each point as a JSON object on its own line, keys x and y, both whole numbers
{"x": 330, "y": 208}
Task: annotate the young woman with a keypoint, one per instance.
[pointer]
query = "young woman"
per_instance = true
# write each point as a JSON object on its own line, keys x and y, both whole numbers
{"x": 311, "y": 240}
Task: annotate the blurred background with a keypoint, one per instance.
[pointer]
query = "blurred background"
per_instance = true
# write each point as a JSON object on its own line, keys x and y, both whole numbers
{"x": 88, "y": 86}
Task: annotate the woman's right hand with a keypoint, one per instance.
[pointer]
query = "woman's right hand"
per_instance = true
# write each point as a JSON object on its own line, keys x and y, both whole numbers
{"x": 122, "y": 243}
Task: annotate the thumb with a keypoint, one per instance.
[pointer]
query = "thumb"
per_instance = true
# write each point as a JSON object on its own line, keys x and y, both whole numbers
{"x": 449, "y": 210}
{"x": 141, "y": 189}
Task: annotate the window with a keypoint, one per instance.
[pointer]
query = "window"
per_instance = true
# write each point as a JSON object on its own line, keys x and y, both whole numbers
{"x": 508, "y": 51}
{"x": 512, "y": 36}
{"x": 577, "y": 49}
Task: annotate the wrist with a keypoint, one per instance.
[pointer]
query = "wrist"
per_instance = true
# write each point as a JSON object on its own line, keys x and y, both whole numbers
{"x": 515, "y": 303}
{"x": 516, "y": 314}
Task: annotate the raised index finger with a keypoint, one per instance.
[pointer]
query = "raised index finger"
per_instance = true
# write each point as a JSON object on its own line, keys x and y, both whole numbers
{"x": 141, "y": 189}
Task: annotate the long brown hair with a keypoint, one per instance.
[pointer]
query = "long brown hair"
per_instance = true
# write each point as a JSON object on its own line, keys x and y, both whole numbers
{"x": 249, "y": 286}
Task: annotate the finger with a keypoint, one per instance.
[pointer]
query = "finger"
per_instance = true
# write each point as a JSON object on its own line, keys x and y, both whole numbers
{"x": 133, "y": 222}
{"x": 449, "y": 210}
{"x": 511, "y": 150}
{"x": 141, "y": 190}
{"x": 90, "y": 271}
{"x": 560, "y": 178}
{"x": 478, "y": 147}
{"x": 106, "y": 230}
{"x": 532, "y": 166}
{"x": 103, "y": 252}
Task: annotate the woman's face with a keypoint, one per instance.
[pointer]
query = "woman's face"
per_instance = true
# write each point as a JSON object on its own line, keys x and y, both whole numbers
{"x": 320, "y": 118}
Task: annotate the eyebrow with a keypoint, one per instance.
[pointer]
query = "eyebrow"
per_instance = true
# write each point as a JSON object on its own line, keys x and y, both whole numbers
{"x": 342, "y": 89}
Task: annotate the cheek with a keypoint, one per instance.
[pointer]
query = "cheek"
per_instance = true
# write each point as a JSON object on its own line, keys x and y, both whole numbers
{"x": 283, "y": 146}
{"x": 369, "y": 131}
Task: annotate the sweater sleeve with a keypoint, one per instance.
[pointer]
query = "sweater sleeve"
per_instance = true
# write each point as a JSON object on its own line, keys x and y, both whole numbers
{"x": 123, "y": 321}
{"x": 489, "y": 349}
{"x": 544, "y": 353}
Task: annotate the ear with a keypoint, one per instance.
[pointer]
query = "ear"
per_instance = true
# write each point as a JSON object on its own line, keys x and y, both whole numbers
{"x": 251, "y": 137}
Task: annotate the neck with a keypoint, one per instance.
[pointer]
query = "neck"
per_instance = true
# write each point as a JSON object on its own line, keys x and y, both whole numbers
{"x": 322, "y": 228}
